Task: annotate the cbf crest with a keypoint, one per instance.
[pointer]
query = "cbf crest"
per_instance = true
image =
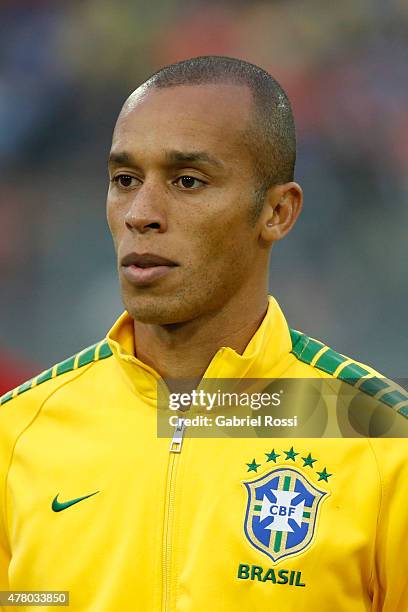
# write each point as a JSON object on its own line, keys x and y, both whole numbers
{"x": 282, "y": 512}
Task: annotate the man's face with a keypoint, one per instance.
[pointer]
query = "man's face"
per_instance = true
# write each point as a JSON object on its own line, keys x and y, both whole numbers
{"x": 181, "y": 190}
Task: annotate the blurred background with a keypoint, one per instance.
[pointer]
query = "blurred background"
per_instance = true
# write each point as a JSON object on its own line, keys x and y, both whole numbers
{"x": 65, "y": 70}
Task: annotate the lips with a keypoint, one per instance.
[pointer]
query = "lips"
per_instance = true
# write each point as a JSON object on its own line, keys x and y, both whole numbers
{"x": 147, "y": 260}
{"x": 144, "y": 269}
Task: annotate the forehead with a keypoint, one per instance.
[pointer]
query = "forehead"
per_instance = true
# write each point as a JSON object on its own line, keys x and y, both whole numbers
{"x": 210, "y": 117}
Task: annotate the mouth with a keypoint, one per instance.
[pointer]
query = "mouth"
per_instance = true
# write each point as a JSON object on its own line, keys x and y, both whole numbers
{"x": 143, "y": 269}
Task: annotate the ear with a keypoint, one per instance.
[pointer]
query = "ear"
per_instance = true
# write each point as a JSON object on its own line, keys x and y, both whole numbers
{"x": 282, "y": 207}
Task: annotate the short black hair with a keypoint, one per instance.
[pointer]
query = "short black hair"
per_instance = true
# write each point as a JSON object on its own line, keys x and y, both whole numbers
{"x": 270, "y": 135}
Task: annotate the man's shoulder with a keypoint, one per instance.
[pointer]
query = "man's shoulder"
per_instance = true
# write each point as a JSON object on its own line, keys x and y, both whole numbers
{"x": 317, "y": 358}
{"x": 20, "y": 407}
{"x": 41, "y": 386}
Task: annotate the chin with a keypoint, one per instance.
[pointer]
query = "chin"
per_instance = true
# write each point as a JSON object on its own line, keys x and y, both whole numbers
{"x": 159, "y": 310}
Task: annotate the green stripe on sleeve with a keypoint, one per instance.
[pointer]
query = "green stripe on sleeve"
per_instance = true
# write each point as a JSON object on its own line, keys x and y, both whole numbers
{"x": 87, "y": 356}
{"x": 294, "y": 336}
{"x": 329, "y": 361}
{"x": 305, "y": 349}
{"x": 299, "y": 346}
{"x": 404, "y": 411}
{"x": 352, "y": 373}
{"x": 373, "y": 385}
{"x": 25, "y": 386}
{"x": 84, "y": 358}
{"x": 6, "y": 398}
{"x": 395, "y": 397}
{"x": 66, "y": 366}
{"x": 310, "y": 350}
{"x": 47, "y": 375}
{"x": 105, "y": 351}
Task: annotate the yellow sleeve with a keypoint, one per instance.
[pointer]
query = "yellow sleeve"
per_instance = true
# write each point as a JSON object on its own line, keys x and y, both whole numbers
{"x": 15, "y": 415}
{"x": 5, "y": 448}
{"x": 4, "y": 564}
{"x": 5, "y": 555}
{"x": 18, "y": 410}
{"x": 390, "y": 576}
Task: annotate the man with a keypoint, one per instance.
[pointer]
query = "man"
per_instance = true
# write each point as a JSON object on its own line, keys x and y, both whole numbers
{"x": 94, "y": 502}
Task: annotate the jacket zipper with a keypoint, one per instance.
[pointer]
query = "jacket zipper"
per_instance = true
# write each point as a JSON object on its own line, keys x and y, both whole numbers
{"x": 175, "y": 450}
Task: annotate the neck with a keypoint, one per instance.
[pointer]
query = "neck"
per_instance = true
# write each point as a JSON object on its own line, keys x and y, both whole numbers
{"x": 184, "y": 350}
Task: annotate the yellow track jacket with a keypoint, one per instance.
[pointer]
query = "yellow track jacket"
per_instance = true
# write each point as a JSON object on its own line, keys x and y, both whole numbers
{"x": 94, "y": 503}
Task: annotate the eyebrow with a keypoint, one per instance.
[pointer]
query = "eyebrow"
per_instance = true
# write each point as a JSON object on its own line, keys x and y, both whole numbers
{"x": 120, "y": 158}
{"x": 175, "y": 158}
{"x": 182, "y": 157}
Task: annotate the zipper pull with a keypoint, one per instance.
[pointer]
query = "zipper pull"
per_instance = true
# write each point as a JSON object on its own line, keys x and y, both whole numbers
{"x": 177, "y": 439}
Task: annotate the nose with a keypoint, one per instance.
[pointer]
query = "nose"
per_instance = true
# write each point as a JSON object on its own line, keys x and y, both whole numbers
{"x": 146, "y": 211}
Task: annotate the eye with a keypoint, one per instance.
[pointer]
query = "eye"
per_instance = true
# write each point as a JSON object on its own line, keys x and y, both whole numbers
{"x": 189, "y": 182}
{"x": 124, "y": 180}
